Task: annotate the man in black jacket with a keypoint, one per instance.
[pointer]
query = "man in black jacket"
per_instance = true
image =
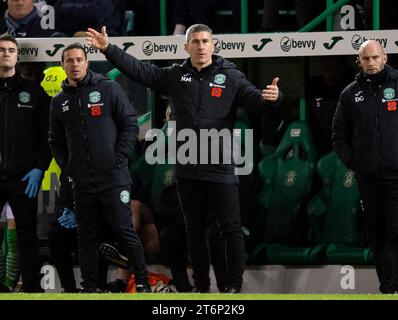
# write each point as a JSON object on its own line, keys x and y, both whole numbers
{"x": 24, "y": 154}
{"x": 365, "y": 138}
{"x": 92, "y": 130}
{"x": 204, "y": 93}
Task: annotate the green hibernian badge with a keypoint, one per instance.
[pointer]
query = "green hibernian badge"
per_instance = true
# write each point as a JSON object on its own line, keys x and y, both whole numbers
{"x": 219, "y": 78}
{"x": 389, "y": 93}
{"x": 94, "y": 97}
{"x": 125, "y": 196}
{"x": 24, "y": 97}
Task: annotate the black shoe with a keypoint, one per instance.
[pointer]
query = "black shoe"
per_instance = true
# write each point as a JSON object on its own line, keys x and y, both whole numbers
{"x": 113, "y": 256}
{"x": 70, "y": 291}
{"x": 185, "y": 289}
{"x": 143, "y": 288}
{"x": 231, "y": 291}
{"x": 201, "y": 290}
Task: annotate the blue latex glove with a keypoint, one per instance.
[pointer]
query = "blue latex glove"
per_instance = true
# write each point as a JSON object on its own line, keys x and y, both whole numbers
{"x": 35, "y": 176}
{"x": 68, "y": 219}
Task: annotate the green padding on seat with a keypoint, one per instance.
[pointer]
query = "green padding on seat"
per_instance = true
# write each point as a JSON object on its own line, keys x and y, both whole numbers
{"x": 338, "y": 253}
{"x": 333, "y": 213}
{"x": 142, "y": 176}
{"x": 163, "y": 178}
{"x": 287, "y": 180}
{"x": 283, "y": 254}
{"x": 267, "y": 172}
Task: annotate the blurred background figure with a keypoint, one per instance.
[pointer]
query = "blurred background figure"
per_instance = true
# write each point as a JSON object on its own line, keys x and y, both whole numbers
{"x": 188, "y": 12}
{"x": 22, "y": 20}
{"x": 72, "y": 16}
{"x": 306, "y": 10}
{"x": 323, "y": 93}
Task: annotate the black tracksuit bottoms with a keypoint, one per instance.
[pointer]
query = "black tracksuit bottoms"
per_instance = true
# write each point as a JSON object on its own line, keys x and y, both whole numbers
{"x": 380, "y": 203}
{"x": 198, "y": 198}
{"x": 114, "y": 205}
{"x": 62, "y": 243}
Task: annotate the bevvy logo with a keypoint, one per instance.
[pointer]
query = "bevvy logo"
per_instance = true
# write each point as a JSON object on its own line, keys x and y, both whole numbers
{"x": 357, "y": 40}
{"x": 149, "y": 48}
{"x": 287, "y": 44}
{"x": 226, "y": 45}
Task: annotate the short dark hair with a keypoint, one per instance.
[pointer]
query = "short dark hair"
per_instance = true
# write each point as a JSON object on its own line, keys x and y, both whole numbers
{"x": 197, "y": 28}
{"x": 8, "y": 37}
{"x": 76, "y": 45}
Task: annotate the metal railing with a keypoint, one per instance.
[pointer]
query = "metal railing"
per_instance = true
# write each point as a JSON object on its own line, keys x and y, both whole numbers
{"x": 327, "y": 15}
{"x": 331, "y": 7}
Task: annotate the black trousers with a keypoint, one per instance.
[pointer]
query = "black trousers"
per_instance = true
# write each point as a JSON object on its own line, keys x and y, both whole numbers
{"x": 24, "y": 210}
{"x": 199, "y": 198}
{"x": 114, "y": 204}
{"x": 63, "y": 244}
{"x": 217, "y": 249}
{"x": 380, "y": 203}
{"x": 173, "y": 246}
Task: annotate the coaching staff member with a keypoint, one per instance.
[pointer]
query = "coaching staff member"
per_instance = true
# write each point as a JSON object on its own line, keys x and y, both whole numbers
{"x": 24, "y": 154}
{"x": 92, "y": 130}
{"x": 365, "y": 137}
{"x": 204, "y": 93}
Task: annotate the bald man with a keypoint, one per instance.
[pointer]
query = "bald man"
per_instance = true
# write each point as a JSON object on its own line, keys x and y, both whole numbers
{"x": 365, "y": 137}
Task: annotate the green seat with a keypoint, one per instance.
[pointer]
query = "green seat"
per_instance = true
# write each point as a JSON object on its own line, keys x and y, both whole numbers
{"x": 163, "y": 178}
{"x": 287, "y": 181}
{"x": 333, "y": 214}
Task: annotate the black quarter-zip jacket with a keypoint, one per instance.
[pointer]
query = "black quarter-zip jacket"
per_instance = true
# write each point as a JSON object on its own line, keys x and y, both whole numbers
{"x": 365, "y": 126}
{"x": 24, "y": 112}
{"x": 93, "y": 128}
{"x": 199, "y": 100}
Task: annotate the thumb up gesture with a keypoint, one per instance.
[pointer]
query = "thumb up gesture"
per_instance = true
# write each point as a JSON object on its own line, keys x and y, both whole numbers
{"x": 271, "y": 91}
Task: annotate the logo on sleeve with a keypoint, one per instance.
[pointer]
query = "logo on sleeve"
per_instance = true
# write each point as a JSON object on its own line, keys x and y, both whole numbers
{"x": 94, "y": 97}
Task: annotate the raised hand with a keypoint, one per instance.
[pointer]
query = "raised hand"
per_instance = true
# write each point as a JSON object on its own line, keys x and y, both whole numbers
{"x": 96, "y": 39}
{"x": 271, "y": 91}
